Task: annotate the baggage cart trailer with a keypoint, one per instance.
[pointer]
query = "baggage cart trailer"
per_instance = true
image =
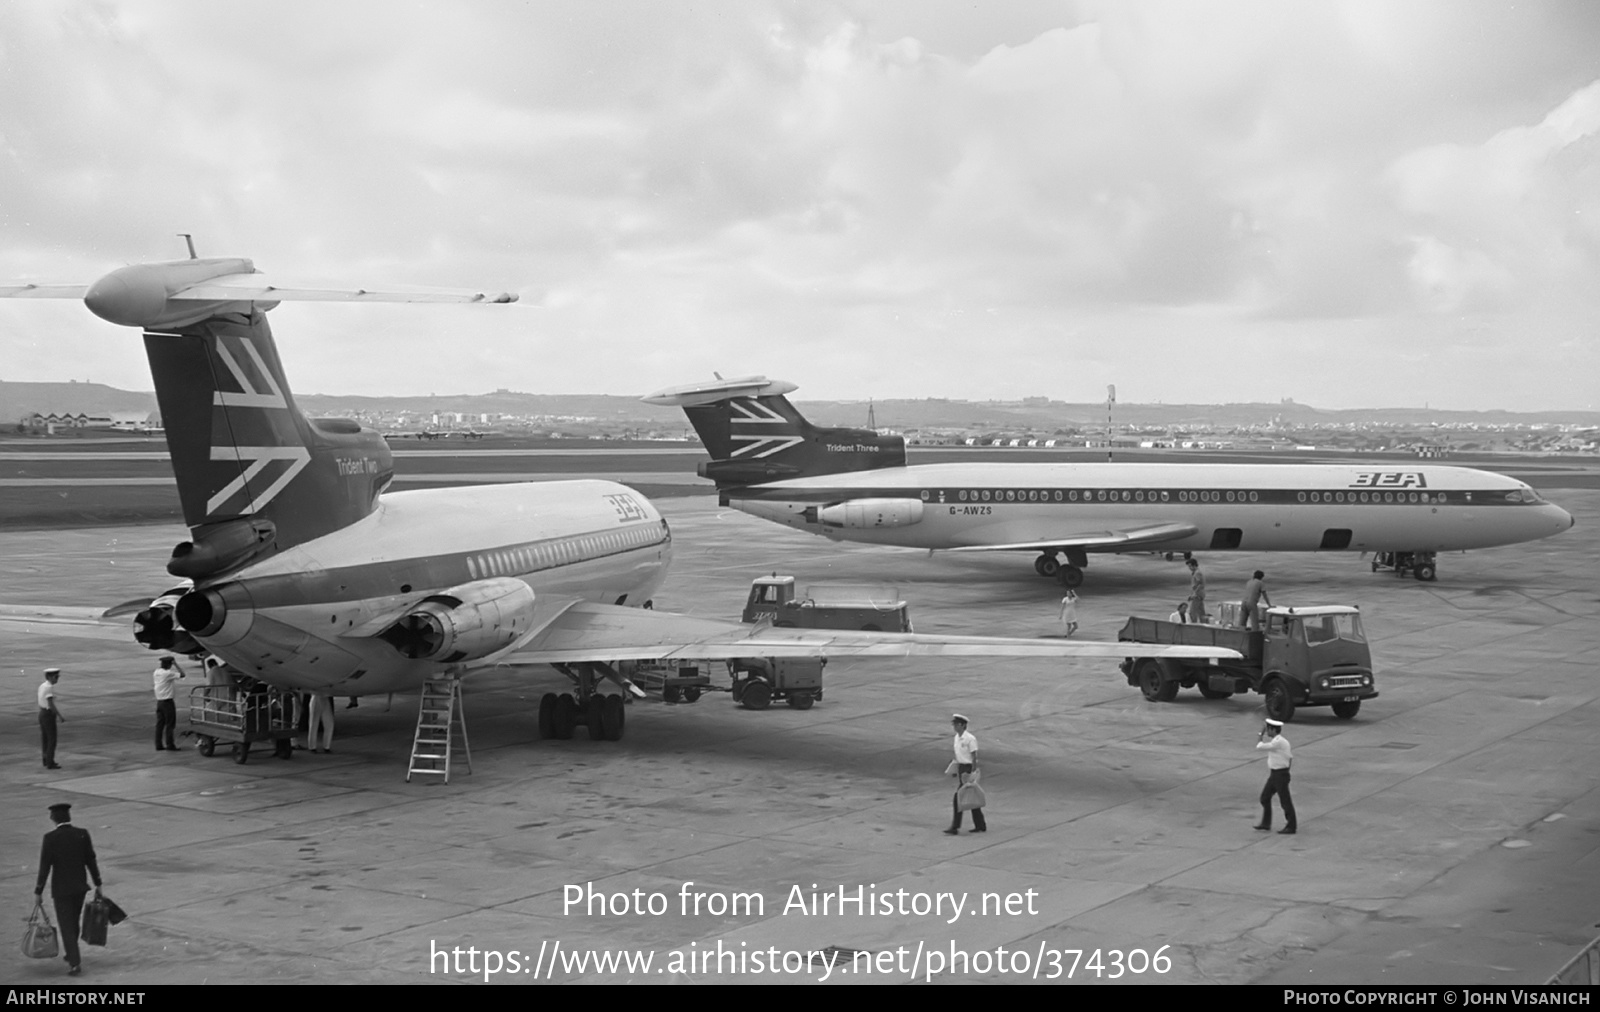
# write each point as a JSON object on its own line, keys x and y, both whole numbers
{"x": 242, "y": 716}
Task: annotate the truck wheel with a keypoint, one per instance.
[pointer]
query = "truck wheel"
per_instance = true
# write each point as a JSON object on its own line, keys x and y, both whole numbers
{"x": 1425, "y": 572}
{"x": 669, "y": 694}
{"x": 547, "y": 715}
{"x": 208, "y": 746}
{"x": 800, "y": 701}
{"x": 1211, "y": 693}
{"x": 1148, "y": 674}
{"x": 757, "y": 696}
{"x": 738, "y": 689}
{"x": 1344, "y": 711}
{"x": 691, "y": 693}
{"x": 1280, "y": 705}
{"x": 241, "y": 753}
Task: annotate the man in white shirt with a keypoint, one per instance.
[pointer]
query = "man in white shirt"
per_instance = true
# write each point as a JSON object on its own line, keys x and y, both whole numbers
{"x": 48, "y": 717}
{"x": 1181, "y": 616}
{"x": 1279, "y": 758}
{"x": 966, "y": 748}
{"x": 166, "y": 678}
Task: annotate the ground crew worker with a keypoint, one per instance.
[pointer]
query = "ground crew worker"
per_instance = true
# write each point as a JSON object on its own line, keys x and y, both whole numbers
{"x": 49, "y": 716}
{"x": 1279, "y": 758}
{"x": 165, "y": 678}
{"x": 966, "y": 747}
{"x": 1254, "y": 591}
{"x": 1197, "y": 593}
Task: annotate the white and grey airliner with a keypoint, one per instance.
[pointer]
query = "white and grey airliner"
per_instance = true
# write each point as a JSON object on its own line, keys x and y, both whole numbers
{"x": 855, "y": 485}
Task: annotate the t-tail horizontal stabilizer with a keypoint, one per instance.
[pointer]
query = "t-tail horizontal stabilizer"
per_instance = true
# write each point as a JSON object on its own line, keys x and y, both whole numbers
{"x": 755, "y": 435}
{"x": 255, "y": 476}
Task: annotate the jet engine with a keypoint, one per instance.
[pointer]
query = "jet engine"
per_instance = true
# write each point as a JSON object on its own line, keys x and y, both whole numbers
{"x": 155, "y": 625}
{"x": 862, "y": 513}
{"x": 464, "y": 623}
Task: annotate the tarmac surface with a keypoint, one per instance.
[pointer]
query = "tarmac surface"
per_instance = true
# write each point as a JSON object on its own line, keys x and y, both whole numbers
{"x": 1450, "y": 833}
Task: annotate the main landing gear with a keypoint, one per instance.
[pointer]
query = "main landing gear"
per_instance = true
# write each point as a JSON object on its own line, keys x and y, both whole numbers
{"x": 604, "y": 715}
{"x": 1421, "y": 564}
{"x": 1068, "y": 571}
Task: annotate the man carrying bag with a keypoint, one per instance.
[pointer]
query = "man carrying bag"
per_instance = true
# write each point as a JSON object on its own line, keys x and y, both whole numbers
{"x": 69, "y": 854}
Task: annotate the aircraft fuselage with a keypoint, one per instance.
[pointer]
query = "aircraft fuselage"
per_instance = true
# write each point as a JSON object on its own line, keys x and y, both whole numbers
{"x": 307, "y": 618}
{"x": 1250, "y": 507}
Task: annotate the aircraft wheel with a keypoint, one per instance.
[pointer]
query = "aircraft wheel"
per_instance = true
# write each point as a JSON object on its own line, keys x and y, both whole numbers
{"x": 547, "y": 715}
{"x": 669, "y": 694}
{"x": 1148, "y": 676}
{"x": 691, "y": 693}
{"x": 207, "y": 746}
{"x": 1070, "y": 576}
{"x": 1344, "y": 711}
{"x": 565, "y": 715}
{"x": 241, "y": 753}
{"x": 591, "y": 717}
{"x": 1280, "y": 705}
{"x": 612, "y": 717}
{"x": 1211, "y": 693}
{"x": 801, "y": 701}
{"x": 757, "y": 696}
{"x": 1425, "y": 572}
{"x": 1038, "y": 565}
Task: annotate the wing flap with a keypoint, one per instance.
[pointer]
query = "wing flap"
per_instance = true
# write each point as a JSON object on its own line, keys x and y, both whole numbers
{"x": 600, "y": 632}
{"x": 1106, "y": 540}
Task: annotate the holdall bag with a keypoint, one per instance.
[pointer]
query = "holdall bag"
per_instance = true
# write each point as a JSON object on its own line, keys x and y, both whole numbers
{"x": 96, "y": 917}
{"x": 39, "y": 941}
{"x": 970, "y": 796}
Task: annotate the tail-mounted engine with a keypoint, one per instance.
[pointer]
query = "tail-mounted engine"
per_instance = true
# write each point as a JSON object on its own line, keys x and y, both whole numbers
{"x": 464, "y": 623}
{"x": 866, "y": 513}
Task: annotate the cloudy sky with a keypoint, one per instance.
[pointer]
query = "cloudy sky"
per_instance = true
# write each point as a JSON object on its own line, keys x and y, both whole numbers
{"x": 1346, "y": 203}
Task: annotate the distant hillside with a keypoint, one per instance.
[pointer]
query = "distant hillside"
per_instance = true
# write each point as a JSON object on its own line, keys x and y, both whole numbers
{"x": 18, "y": 399}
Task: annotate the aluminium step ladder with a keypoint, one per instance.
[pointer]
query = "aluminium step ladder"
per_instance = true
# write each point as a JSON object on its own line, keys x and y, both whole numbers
{"x": 438, "y": 717}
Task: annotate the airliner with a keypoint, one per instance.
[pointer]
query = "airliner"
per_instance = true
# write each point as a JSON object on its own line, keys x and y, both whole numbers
{"x": 304, "y": 571}
{"x": 855, "y": 485}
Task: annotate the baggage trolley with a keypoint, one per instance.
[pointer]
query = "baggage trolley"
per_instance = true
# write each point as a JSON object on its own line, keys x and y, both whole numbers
{"x": 242, "y": 716}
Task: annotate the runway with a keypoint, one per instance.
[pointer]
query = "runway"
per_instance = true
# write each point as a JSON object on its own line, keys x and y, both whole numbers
{"x": 1449, "y": 834}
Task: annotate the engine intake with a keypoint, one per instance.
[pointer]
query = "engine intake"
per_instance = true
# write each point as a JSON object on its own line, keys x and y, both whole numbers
{"x": 464, "y": 623}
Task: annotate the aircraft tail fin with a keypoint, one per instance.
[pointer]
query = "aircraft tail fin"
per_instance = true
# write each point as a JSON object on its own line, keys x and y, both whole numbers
{"x": 755, "y": 435}
{"x": 255, "y": 476}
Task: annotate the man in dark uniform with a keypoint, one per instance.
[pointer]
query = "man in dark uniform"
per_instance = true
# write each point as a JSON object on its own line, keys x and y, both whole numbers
{"x": 69, "y": 853}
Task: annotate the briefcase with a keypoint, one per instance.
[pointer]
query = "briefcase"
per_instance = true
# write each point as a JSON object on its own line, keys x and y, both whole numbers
{"x": 96, "y": 918}
{"x": 39, "y": 941}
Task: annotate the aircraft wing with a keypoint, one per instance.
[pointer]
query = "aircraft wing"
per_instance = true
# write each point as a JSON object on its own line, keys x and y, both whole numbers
{"x": 1123, "y": 539}
{"x": 80, "y": 623}
{"x": 29, "y": 291}
{"x": 587, "y": 632}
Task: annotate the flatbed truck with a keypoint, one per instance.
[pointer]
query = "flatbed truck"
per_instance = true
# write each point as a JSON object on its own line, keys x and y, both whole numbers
{"x": 1300, "y": 657}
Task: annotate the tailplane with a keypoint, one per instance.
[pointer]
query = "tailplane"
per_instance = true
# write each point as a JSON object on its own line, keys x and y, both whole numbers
{"x": 255, "y": 476}
{"x": 755, "y": 435}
